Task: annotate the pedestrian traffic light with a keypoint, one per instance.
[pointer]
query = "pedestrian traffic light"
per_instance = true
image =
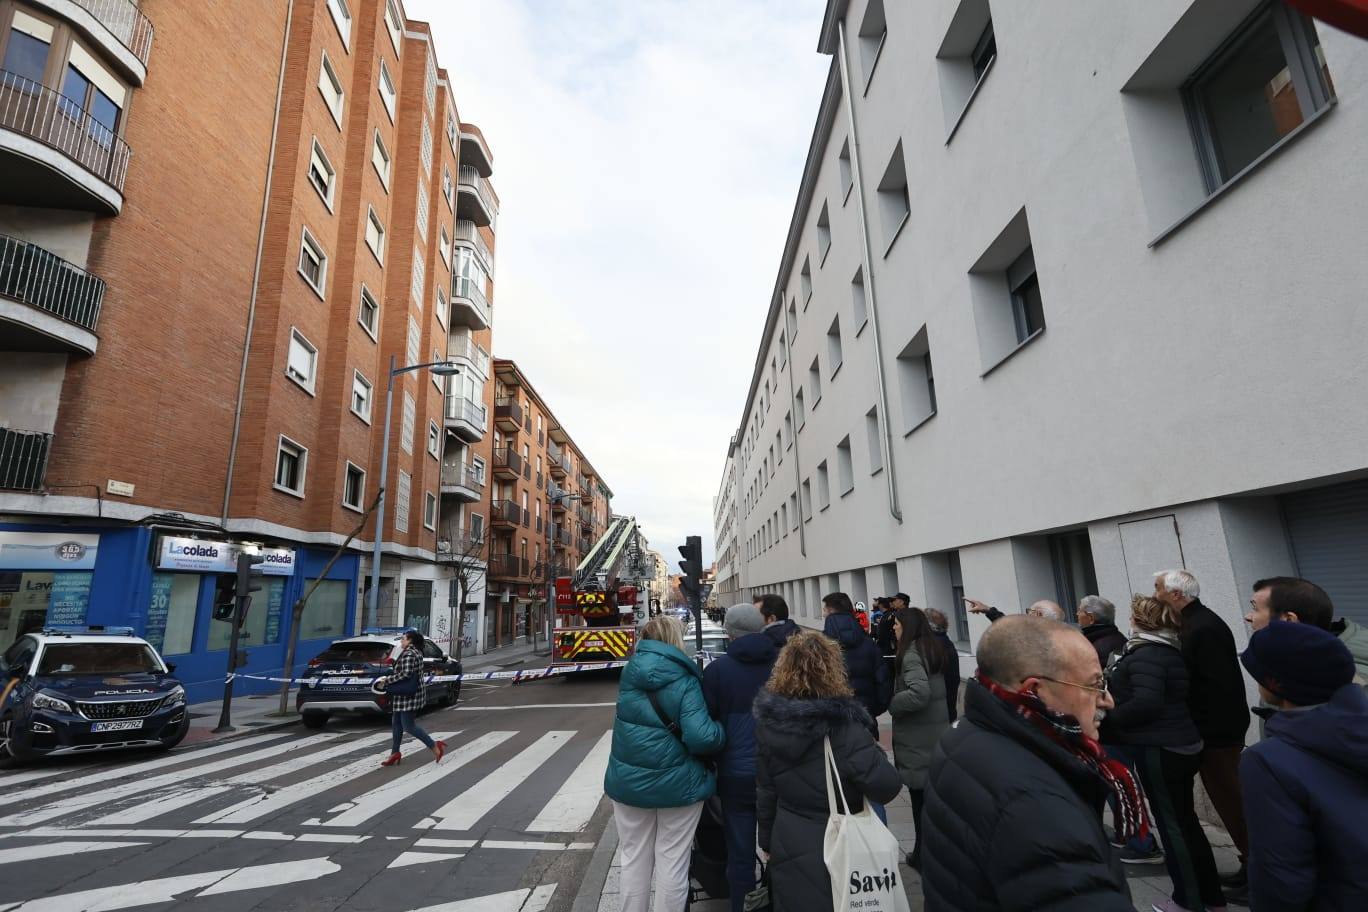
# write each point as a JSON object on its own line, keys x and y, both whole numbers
{"x": 691, "y": 570}
{"x": 236, "y": 602}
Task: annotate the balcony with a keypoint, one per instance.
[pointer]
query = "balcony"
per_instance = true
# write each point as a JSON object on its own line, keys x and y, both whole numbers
{"x": 558, "y": 504}
{"x": 557, "y": 462}
{"x": 475, "y": 198}
{"x": 464, "y": 350}
{"x": 117, "y": 26}
{"x": 541, "y": 481}
{"x": 508, "y": 415}
{"x": 474, "y": 150}
{"x": 560, "y": 536}
{"x": 509, "y": 566}
{"x": 464, "y": 481}
{"x": 469, "y": 306}
{"x": 584, "y": 545}
{"x": 23, "y": 459}
{"x": 54, "y": 154}
{"x": 466, "y": 418}
{"x": 468, "y": 235}
{"x": 506, "y": 514}
{"x": 460, "y": 547}
{"x": 507, "y": 464}
{"x": 558, "y": 435}
{"x": 46, "y": 303}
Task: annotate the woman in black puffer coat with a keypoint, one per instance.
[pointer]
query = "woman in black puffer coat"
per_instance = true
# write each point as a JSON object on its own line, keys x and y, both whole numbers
{"x": 1152, "y": 726}
{"x": 807, "y": 699}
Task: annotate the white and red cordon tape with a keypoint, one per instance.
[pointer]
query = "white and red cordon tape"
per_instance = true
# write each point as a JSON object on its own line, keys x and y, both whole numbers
{"x": 526, "y": 674}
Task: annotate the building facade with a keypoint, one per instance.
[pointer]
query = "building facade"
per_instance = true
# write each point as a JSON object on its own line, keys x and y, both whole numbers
{"x": 727, "y": 586}
{"x": 546, "y": 507}
{"x": 205, "y": 277}
{"x": 1047, "y": 323}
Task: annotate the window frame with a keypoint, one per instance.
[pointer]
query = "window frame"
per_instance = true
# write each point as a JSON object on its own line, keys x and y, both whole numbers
{"x": 373, "y": 219}
{"x": 307, "y": 240}
{"x": 395, "y": 27}
{"x": 318, "y": 151}
{"x": 328, "y": 71}
{"x": 359, "y": 506}
{"x": 434, "y": 440}
{"x": 309, "y": 383}
{"x": 339, "y": 11}
{"x": 1020, "y": 316}
{"x": 430, "y": 507}
{"x": 362, "y": 298}
{"x": 301, "y": 454}
{"x": 390, "y": 101}
{"x": 370, "y": 396}
{"x": 378, "y": 146}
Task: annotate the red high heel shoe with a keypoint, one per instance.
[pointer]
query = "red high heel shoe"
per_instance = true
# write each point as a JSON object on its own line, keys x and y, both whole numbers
{"x": 392, "y": 760}
{"x": 440, "y": 750}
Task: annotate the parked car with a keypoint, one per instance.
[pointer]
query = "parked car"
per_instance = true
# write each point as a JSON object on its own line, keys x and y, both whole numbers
{"x": 78, "y": 690}
{"x": 338, "y": 679}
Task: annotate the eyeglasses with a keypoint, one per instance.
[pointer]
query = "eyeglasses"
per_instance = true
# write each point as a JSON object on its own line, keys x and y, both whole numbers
{"x": 1099, "y": 689}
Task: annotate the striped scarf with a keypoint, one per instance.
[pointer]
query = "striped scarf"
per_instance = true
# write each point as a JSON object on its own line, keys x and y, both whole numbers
{"x": 1132, "y": 819}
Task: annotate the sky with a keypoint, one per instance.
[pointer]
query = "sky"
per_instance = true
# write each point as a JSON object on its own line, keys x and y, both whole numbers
{"x": 647, "y": 155}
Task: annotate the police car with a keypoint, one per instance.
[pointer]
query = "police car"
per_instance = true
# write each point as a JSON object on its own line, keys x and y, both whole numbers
{"x": 78, "y": 690}
{"x": 338, "y": 678}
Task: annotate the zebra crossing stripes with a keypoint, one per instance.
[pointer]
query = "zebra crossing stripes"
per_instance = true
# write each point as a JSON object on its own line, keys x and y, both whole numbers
{"x": 466, "y": 809}
{"x": 574, "y": 804}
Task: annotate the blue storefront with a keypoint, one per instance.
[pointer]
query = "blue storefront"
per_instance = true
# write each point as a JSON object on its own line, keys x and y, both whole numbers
{"x": 164, "y": 583}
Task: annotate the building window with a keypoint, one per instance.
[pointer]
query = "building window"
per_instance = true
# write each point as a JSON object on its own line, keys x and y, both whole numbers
{"x": 798, "y": 408}
{"x": 847, "y": 172}
{"x": 313, "y": 263}
{"x": 406, "y": 425}
{"x": 451, "y": 130}
{"x": 434, "y": 439}
{"x": 441, "y": 307}
{"x": 322, "y": 174}
{"x": 845, "y": 467}
{"x": 1266, "y": 82}
{"x": 380, "y": 158}
{"x": 302, "y": 362}
{"x": 394, "y": 24}
{"x": 793, "y": 510}
{"x": 823, "y": 486}
{"x": 425, "y": 149}
{"x": 403, "y": 495}
{"x": 375, "y": 234}
{"x": 386, "y": 89}
{"x": 917, "y": 382}
{"x": 964, "y": 59}
{"x": 342, "y": 18}
{"x": 291, "y": 463}
{"x": 444, "y": 246}
{"x": 26, "y": 51}
{"x": 429, "y": 510}
{"x": 815, "y": 381}
{"x": 823, "y": 235}
{"x": 430, "y": 83}
{"x": 419, "y": 277}
{"x": 448, "y": 191}
{"x": 362, "y": 394}
{"x": 331, "y": 89}
{"x": 354, "y": 488}
{"x": 984, "y": 53}
{"x": 436, "y": 378}
{"x": 369, "y": 316}
{"x": 793, "y": 318}
{"x": 414, "y": 340}
{"x": 894, "y": 202}
{"x": 835, "y": 358}
{"x": 788, "y": 429}
{"x": 422, "y": 210}
{"x": 783, "y": 350}
{"x": 805, "y": 282}
{"x": 874, "y": 439}
{"x": 871, "y": 36}
{"x": 1028, "y": 310}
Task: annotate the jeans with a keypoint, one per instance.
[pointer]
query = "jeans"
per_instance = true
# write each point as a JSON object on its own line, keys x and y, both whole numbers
{"x": 405, "y": 722}
{"x": 738, "y": 822}
{"x": 879, "y": 811}
{"x": 1168, "y": 779}
{"x": 656, "y": 843}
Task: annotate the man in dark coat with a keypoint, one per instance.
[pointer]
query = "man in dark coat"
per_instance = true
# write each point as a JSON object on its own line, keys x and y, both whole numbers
{"x": 1097, "y": 620}
{"x": 730, "y": 685}
{"x": 870, "y": 676}
{"x": 1306, "y": 783}
{"x": 1013, "y": 815}
{"x": 1216, "y": 696}
{"x": 774, "y": 610}
{"x": 940, "y": 624}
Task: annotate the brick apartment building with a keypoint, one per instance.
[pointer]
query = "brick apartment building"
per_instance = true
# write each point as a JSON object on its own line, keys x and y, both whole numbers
{"x": 207, "y": 262}
{"x": 545, "y": 509}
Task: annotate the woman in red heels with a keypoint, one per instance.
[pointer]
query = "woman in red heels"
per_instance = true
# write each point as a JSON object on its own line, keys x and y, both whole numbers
{"x": 407, "y": 695}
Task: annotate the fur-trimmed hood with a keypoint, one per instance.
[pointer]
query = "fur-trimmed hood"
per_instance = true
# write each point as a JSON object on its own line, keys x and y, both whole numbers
{"x": 807, "y": 719}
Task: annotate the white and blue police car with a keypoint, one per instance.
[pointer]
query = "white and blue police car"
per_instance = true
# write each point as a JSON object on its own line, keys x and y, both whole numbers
{"x": 79, "y": 690}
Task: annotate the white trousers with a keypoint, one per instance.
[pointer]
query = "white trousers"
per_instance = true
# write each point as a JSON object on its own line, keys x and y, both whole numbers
{"x": 656, "y": 841}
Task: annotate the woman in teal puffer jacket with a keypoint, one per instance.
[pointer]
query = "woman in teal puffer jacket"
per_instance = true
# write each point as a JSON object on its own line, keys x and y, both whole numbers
{"x": 655, "y": 779}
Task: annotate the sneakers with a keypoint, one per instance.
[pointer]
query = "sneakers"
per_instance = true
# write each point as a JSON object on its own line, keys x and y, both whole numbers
{"x": 1169, "y": 905}
{"x": 1137, "y": 856}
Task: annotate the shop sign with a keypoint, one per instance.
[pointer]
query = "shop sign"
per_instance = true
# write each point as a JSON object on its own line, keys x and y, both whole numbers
{"x": 200, "y": 555}
{"x": 47, "y": 551}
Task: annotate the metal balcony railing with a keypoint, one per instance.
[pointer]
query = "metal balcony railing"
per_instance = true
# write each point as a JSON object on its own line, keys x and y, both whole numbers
{"x": 125, "y": 22}
{"x": 460, "y": 546}
{"x": 30, "y": 274}
{"x": 459, "y": 408}
{"x": 460, "y": 345}
{"x": 505, "y": 408}
{"x": 505, "y": 458}
{"x": 509, "y": 566}
{"x": 467, "y": 176}
{"x": 465, "y": 287}
{"x": 505, "y": 512}
{"x": 464, "y": 475}
{"x": 35, "y": 111}
{"x": 468, "y": 233}
{"x": 23, "y": 459}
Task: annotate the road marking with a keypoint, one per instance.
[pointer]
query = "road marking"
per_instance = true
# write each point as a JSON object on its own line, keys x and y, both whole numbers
{"x": 139, "y": 786}
{"x": 466, "y": 809}
{"x": 574, "y": 805}
{"x": 101, "y": 779}
{"x": 383, "y": 798}
{"x": 68, "y": 832}
{"x": 533, "y": 706}
{"x": 166, "y": 889}
{"x": 417, "y": 858}
{"x": 445, "y": 843}
{"x": 262, "y": 805}
{"x": 540, "y": 898}
{"x": 54, "y": 849}
{"x": 537, "y": 846}
{"x": 148, "y": 810}
{"x": 513, "y": 901}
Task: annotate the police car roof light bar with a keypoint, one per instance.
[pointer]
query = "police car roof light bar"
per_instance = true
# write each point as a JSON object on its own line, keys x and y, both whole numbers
{"x": 92, "y": 629}
{"x": 372, "y": 631}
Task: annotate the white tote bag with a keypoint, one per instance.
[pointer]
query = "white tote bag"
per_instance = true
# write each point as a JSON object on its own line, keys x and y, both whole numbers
{"x": 861, "y": 854}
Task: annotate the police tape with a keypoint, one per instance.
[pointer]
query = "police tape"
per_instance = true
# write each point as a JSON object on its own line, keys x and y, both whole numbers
{"x": 526, "y": 674}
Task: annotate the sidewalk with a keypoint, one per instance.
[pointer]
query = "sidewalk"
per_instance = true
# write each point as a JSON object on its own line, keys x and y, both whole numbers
{"x": 521, "y": 653}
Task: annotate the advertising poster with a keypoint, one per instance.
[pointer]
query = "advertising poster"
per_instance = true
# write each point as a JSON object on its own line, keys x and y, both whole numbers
{"x": 48, "y": 551}
{"x": 158, "y": 609}
{"x": 200, "y": 555}
{"x": 275, "y": 599}
{"x": 68, "y": 599}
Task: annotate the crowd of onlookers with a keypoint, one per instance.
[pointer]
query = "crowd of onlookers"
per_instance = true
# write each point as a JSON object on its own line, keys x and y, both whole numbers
{"x": 1076, "y": 751}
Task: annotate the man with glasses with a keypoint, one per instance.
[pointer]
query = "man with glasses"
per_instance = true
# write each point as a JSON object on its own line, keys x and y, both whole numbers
{"x": 1014, "y": 799}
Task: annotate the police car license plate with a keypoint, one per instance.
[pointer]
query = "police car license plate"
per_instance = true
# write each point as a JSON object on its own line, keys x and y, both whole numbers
{"x": 120, "y": 725}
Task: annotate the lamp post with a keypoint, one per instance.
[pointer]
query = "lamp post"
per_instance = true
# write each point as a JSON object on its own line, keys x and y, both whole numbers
{"x": 441, "y": 369}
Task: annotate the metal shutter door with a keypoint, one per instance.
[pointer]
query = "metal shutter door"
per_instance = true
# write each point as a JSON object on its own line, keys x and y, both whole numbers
{"x": 1328, "y": 528}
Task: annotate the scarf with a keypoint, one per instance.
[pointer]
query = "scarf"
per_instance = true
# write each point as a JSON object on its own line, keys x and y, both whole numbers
{"x": 1131, "y": 818}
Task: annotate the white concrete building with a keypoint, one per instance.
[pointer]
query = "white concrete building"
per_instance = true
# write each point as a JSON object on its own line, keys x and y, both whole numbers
{"x": 727, "y": 586}
{"x": 1130, "y": 247}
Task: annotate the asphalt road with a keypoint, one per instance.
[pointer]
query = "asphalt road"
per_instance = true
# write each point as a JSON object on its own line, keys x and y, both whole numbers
{"x": 294, "y": 819}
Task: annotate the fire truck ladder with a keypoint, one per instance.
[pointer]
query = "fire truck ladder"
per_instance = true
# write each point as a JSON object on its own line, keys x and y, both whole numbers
{"x": 600, "y": 566}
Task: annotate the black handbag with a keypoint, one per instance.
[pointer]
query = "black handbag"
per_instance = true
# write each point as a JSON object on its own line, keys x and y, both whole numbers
{"x": 671, "y": 726}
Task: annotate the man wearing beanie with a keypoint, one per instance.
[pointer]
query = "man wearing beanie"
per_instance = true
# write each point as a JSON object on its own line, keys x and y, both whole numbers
{"x": 730, "y": 684}
{"x": 1306, "y": 784}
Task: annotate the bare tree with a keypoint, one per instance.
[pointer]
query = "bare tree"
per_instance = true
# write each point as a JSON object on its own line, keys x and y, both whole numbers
{"x": 466, "y": 556}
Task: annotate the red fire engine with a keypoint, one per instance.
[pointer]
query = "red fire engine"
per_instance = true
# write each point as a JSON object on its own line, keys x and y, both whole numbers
{"x": 596, "y": 618}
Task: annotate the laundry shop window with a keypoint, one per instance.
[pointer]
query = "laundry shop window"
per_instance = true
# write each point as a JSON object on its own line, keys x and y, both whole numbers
{"x": 325, "y": 613}
{"x": 33, "y": 599}
{"x": 171, "y": 612}
{"x": 262, "y": 626}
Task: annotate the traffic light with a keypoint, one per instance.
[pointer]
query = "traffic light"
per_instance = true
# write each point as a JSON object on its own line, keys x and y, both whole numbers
{"x": 691, "y": 569}
{"x": 235, "y": 602}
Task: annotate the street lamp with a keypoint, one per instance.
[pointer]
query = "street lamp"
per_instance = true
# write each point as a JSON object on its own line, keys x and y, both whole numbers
{"x": 441, "y": 369}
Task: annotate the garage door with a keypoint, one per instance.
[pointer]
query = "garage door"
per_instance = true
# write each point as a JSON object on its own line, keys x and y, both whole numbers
{"x": 1329, "y": 532}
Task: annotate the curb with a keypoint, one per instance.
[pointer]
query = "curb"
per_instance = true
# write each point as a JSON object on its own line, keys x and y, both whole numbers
{"x": 596, "y": 875}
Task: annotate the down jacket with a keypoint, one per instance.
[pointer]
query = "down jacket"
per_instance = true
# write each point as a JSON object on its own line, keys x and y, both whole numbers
{"x": 649, "y": 767}
{"x": 1013, "y": 821}
{"x": 791, "y": 795}
{"x": 869, "y": 673}
{"x": 1149, "y": 683}
{"x": 920, "y": 717}
{"x": 730, "y": 685}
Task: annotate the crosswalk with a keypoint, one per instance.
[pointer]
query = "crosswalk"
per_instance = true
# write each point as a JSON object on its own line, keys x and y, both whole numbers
{"x": 535, "y": 782}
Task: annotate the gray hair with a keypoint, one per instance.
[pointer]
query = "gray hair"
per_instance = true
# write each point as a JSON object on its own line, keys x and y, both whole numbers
{"x": 741, "y": 620}
{"x": 1098, "y": 607}
{"x": 1181, "y": 581}
{"x": 1046, "y": 609}
{"x": 1018, "y": 646}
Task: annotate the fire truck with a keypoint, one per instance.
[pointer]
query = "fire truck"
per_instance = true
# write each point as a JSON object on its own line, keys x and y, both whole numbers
{"x": 596, "y": 617}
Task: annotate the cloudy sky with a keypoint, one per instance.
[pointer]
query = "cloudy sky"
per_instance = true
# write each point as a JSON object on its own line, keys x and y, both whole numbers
{"x": 647, "y": 155}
